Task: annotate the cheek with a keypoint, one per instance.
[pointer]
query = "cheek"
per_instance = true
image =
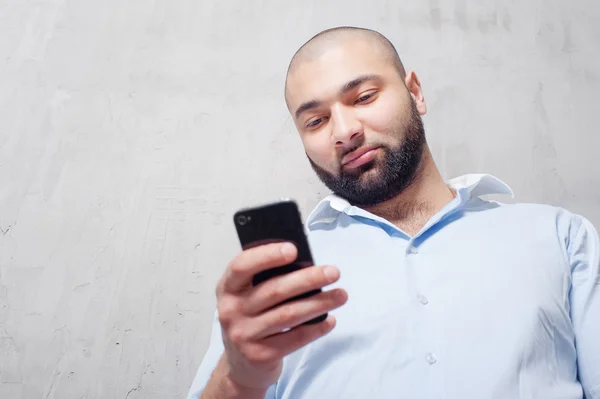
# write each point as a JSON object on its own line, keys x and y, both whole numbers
{"x": 386, "y": 115}
{"x": 318, "y": 147}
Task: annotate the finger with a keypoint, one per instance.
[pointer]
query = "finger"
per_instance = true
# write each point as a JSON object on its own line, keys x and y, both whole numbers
{"x": 251, "y": 261}
{"x": 296, "y": 312}
{"x": 281, "y": 288}
{"x": 285, "y": 343}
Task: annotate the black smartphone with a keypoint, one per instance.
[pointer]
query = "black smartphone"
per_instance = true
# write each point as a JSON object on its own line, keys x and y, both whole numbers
{"x": 276, "y": 222}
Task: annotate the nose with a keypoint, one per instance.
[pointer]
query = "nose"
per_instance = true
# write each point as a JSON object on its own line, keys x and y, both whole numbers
{"x": 346, "y": 127}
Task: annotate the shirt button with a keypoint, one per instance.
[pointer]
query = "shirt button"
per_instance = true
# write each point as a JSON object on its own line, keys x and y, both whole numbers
{"x": 413, "y": 250}
{"x": 430, "y": 358}
{"x": 423, "y": 299}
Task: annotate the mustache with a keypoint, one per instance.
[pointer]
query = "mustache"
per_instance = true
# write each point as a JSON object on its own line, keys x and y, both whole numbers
{"x": 356, "y": 147}
{"x": 348, "y": 151}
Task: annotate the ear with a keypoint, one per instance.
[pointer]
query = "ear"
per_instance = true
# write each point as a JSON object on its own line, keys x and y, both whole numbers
{"x": 414, "y": 88}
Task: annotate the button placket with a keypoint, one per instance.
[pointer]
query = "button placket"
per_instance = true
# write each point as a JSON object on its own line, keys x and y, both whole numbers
{"x": 431, "y": 359}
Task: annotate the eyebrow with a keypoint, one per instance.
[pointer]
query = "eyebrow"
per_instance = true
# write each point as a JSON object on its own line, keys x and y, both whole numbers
{"x": 306, "y": 107}
{"x": 354, "y": 83}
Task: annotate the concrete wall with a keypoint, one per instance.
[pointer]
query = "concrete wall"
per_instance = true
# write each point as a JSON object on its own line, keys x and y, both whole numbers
{"x": 131, "y": 130}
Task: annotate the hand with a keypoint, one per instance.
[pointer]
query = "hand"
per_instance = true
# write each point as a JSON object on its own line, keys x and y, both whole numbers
{"x": 253, "y": 325}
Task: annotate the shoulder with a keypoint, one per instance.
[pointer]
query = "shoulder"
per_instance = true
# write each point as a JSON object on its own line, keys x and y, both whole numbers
{"x": 531, "y": 212}
{"x": 569, "y": 227}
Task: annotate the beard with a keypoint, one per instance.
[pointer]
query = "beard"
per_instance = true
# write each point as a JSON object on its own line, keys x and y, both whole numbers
{"x": 387, "y": 177}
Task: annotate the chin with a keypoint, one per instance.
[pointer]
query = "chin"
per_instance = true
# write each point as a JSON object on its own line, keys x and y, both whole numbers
{"x": 370, "y": 180}
{"x": 368, "y": 170}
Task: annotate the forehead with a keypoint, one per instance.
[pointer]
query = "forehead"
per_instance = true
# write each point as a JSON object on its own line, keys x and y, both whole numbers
{"x": 322, "y": 76}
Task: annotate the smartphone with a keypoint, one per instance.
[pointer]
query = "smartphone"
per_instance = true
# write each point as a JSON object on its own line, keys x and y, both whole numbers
{"x": 276, "y": 222}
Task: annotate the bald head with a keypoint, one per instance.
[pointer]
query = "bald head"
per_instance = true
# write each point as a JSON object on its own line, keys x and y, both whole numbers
{"x": 331, "y": 38}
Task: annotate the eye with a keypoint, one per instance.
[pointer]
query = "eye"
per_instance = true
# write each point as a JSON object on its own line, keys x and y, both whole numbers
{"x": 314, "y": 123}
{"x": 365, "y": 97}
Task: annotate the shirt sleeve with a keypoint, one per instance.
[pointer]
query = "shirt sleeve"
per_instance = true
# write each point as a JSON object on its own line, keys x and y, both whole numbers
{"x": 584, "y": 255}
{"x": 209, "y": 362}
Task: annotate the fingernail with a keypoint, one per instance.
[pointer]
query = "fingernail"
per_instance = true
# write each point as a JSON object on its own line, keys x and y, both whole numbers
{"x": 287, "y": 249}
{"x": 328, "y": 324}
{"x": 331, "y": 273}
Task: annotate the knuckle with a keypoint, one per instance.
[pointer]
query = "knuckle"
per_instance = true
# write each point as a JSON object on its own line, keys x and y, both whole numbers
{"x": 236, "y": 267}
{"x": 256, "y": 355}
{"x": 224, "y": 320}
{"x": 275, "y": 292}
{"x": 228, "y": 310}
{"x": 261, "y": 357}
{"x": 220, "y": 288}
{"x": 304, "y": 335}
{"x": 237, "y": 338}
{"x": 246, "y": 352}
{"x": 287, "y": 314}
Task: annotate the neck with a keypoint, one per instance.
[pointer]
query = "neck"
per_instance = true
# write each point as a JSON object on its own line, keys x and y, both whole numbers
{"x": 416, "y": 204}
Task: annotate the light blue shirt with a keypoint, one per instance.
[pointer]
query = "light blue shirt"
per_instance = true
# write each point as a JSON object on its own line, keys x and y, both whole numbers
{"x": 487, "y": 301}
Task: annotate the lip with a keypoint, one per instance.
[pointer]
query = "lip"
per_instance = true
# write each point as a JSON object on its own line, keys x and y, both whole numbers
{"x": 359, "y": 157}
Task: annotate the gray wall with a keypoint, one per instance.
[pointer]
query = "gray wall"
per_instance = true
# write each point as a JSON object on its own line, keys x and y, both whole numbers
{"x": 131, "y": 130}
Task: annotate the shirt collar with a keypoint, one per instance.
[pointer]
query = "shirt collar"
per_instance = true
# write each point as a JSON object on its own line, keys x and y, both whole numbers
{"x": 467, "y": 187}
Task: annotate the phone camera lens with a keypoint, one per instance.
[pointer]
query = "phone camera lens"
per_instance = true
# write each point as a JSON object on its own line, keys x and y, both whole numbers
{"x": 242, "y": 220}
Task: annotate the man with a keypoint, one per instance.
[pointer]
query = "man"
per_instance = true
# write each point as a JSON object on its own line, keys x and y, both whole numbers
{"x": 448, "y": 295}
